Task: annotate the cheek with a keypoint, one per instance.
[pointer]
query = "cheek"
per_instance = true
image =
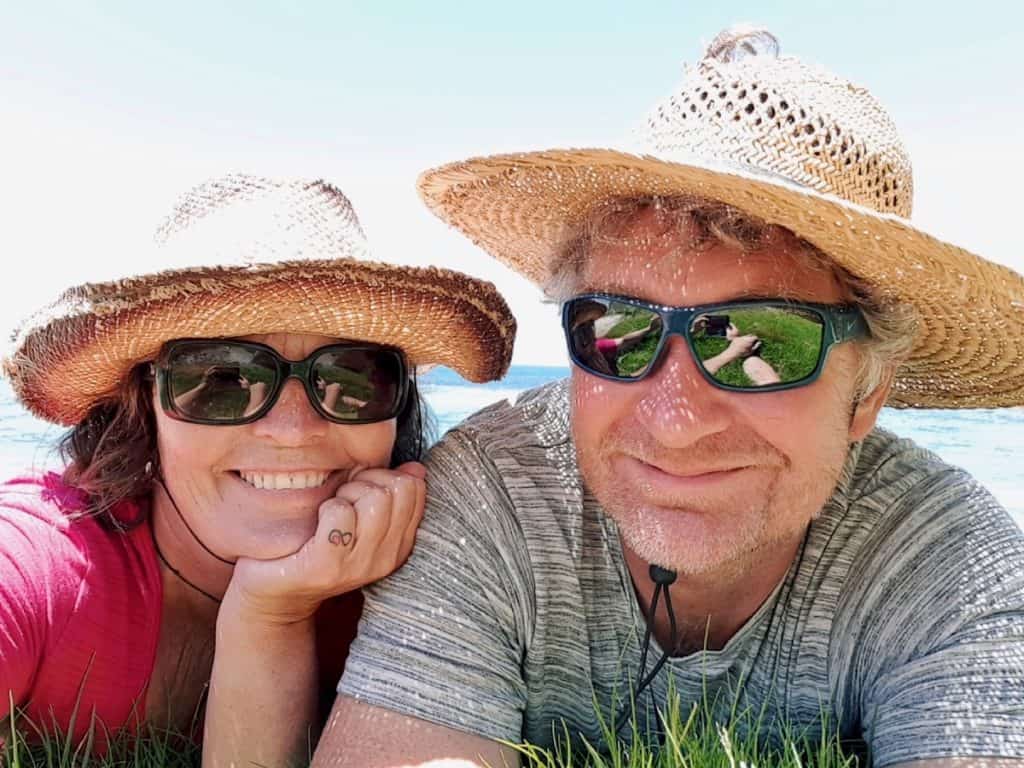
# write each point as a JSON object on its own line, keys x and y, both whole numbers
{"x": 192, "y": 447}
{"x": 805, "y": 424}
{"x": 367, "y": 444}
{"x": 596, "y": 405}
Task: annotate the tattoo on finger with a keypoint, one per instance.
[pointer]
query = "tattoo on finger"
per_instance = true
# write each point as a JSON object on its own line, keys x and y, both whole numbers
{"x": 337, "y": 537}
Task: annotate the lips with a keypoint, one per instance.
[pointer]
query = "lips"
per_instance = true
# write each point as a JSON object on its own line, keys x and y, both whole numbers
{"x": 691, "y": 472}
{"x": 284, "y": 481}
{"x": 678, "y": 483}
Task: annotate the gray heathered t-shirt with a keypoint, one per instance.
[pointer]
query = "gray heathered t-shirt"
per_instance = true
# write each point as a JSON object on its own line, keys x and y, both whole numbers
{"x": 901, "y": 620}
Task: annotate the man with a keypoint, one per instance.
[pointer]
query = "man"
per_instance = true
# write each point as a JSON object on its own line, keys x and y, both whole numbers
{"x": 794, "y": 562}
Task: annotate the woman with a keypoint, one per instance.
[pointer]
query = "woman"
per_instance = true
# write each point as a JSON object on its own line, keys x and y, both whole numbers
{"x": 241, "y": 461}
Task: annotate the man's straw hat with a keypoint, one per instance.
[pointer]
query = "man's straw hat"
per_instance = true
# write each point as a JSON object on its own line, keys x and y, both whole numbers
{"x": 795, "y": 146}
{"x": 244, "y": 255}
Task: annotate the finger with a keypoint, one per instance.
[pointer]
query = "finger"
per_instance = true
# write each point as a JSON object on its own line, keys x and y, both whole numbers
{"x": 314, "y": 567}
{"x": 407, "y": 491}
{"x": 373, "y": 514}
{"x": 337, "y": 526}
{"x": 333, "y": 547}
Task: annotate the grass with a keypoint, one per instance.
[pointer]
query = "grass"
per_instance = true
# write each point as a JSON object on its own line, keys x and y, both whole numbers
{"x": 790, "y": 343}
{"x": 691, "y": 740}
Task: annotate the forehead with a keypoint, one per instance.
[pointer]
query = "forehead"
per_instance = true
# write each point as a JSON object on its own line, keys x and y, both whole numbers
{"x": 293, "y": 346}
{"x": 669, "y": 265}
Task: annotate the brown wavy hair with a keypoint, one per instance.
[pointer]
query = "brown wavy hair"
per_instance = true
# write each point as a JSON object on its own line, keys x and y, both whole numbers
{"x": 112, "y": 453}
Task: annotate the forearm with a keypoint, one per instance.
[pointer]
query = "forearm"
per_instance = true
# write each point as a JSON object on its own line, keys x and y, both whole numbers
{"x": 262, "y": 704}
{"x": 722, "y": 359}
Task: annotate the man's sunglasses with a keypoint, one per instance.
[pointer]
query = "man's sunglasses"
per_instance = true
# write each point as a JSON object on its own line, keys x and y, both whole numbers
{"x": 741, "y": 346}
{"x": 214, "y": 381}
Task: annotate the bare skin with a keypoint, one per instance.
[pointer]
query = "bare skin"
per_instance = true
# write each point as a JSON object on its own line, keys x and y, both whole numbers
{"x": 288, "y": 551}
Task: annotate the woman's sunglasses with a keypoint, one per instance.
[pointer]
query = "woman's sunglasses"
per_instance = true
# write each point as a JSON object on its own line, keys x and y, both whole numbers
{"x": 741, "y": 346}
{"x": 212, "y": 381}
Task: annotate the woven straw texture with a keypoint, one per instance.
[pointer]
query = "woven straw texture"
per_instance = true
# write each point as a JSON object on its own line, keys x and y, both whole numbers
{"x": 795, "y": 146}
{"x": 249, "y": 255}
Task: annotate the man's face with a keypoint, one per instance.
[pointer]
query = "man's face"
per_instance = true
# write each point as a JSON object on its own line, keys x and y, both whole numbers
{"x": 699, "y": 479}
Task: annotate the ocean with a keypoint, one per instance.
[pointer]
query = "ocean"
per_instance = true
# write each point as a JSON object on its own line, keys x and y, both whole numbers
{"x": 987, "y": 443}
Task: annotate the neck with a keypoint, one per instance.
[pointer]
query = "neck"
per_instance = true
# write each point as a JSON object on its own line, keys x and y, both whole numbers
{"x": 198, "y": 571}
{"x": 712, "y": 607}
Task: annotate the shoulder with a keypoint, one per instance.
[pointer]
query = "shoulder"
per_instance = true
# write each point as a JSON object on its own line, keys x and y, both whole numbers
{"x": 36, "y": 516}
{"x": 53, "y": 546}
{"x": 511, "y": 454}
{"x": 513, "y": 434}
{"x": 538, "y": 417}
{"x": 897, "y": 484}
{"x": 929, "y": 537}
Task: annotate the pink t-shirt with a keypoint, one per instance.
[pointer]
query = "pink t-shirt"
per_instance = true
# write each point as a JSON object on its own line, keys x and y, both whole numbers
{"x": 80, "y": 610}
{"x": 81, "y": 606}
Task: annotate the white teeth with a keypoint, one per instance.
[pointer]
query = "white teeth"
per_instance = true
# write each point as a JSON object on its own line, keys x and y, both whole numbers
{"x": 284, "y": 480}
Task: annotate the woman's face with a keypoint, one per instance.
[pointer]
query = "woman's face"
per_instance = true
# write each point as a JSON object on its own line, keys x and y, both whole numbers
{"x": 224, "y": 479}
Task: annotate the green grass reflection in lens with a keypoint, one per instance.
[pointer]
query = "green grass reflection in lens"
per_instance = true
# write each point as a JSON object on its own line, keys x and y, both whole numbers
{"x": 635, "y": 360}
{"x": 791, "y": 342}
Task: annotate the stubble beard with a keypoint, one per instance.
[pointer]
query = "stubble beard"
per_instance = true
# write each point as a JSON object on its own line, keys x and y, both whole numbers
{"x": 721, "y": 542}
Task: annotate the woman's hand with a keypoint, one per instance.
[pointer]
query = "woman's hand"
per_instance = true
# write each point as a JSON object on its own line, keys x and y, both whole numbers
{"x": 365, "y": 532}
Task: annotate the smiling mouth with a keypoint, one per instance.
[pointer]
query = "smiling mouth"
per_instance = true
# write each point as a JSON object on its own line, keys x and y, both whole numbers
{"x": 284, "y": 481}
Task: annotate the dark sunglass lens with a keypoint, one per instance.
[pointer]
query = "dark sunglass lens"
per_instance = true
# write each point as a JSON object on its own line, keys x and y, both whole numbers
{"x": 363, "y": 384}
{"x": 219, "y": 382}
{"x": 613, "y": 338}
{"x": 754, "y": 346}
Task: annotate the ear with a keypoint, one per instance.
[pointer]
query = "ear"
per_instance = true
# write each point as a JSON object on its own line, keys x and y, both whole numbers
{"x": 866, "y": 411}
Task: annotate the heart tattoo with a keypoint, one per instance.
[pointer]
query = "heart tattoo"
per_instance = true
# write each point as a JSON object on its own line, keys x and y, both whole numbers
{"x": 336, "y": 537}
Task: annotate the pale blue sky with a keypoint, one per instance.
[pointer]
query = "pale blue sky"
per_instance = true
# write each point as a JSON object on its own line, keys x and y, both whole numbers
{"x": 109, "y": 111}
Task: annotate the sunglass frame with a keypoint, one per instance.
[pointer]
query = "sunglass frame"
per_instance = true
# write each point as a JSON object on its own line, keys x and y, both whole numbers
{"x": 285, "y": 369}
{"x": 840, "y": 323}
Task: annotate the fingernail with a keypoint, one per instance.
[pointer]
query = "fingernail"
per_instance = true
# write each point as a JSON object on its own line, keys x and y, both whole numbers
{"x": 355, "y": 471}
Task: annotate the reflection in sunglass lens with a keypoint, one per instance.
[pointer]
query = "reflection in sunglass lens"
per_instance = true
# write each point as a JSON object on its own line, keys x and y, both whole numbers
{"x": 219, "y": 382}
{"x": 358, "y": 383}
{"x": 753, "y": 346}
{"x": 613, "y": 338}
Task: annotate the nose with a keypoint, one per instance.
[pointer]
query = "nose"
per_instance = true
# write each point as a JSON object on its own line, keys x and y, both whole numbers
{"x": 292, "y": 421}
{"x": 678, "y": 406}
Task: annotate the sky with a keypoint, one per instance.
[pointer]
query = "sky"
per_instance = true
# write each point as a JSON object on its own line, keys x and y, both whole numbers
{"x": 109, "y": 111}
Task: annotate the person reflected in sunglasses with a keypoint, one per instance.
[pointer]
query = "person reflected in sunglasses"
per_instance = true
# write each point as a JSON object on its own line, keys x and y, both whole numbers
{"x": 240, "y": 462}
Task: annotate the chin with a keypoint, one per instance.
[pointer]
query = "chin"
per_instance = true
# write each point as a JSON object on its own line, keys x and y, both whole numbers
{"x": 688, "y": 539}
{"x": 271, "y": 540}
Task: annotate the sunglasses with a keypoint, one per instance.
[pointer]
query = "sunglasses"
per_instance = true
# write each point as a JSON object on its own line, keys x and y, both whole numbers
{"x": 214, "y": 381}
{"x": 741, "y": 346}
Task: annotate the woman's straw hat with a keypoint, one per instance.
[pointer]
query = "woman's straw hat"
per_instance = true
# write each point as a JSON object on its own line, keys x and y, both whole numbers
{"x": 795, "y": 146}
{"x": 245, "y": 255}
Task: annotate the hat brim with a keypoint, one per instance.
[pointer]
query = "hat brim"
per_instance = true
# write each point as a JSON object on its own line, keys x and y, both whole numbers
{"x": 969, "y": 348}
{"x": 77, "y": 351}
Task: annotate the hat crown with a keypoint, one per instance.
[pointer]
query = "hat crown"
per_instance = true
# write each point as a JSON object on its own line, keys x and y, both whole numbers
{"x": 242, "y": 220}
{"x": 744, "y": 104}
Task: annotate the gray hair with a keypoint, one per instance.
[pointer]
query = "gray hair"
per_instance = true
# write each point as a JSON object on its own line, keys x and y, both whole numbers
{"x": 892, "y": 323}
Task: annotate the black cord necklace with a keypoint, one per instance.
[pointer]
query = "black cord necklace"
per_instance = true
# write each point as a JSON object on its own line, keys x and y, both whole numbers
{"x": 663, "y": 578}
{"x": 175, "y": 571}
{"x": 171, "y": 568}
{"x": 209, "y": 551}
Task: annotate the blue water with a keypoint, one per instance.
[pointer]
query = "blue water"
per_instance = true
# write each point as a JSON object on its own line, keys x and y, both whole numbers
{"x": 987, "y": 443}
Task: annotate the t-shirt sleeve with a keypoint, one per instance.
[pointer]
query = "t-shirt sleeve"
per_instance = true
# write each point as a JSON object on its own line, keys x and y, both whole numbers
{"x": 941, "y": 657}
{"x": 443, "y": 639}
{"x": 39, "y": 583}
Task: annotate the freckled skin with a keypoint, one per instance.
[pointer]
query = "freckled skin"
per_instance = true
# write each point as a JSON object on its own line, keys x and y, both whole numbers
{"x": 227, "y": 516}
{"x": 776, "y": 455}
